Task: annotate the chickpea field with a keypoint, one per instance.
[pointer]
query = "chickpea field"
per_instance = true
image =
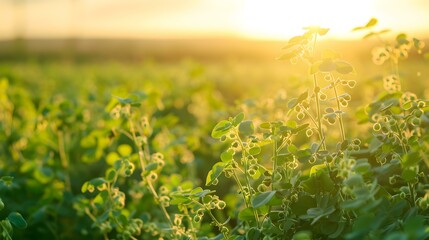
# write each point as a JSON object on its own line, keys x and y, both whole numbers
{"x": 312, "y": 142}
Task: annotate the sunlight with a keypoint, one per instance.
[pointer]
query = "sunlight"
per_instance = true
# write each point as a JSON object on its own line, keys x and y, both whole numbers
{"x": 273, "y": 19}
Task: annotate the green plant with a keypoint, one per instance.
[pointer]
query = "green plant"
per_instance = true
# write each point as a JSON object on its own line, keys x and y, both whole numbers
{"x": 331, "y": 188}
{"x": 89, "y": 165}
{"x": 14, "y": 219}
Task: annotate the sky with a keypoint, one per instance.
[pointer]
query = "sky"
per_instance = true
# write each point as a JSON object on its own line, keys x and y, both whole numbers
{"x": 155, "y": 19}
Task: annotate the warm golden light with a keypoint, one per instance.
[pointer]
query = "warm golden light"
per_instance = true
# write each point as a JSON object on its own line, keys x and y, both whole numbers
{"x": 267, "y": 19}
{"x": 280, "y": 19}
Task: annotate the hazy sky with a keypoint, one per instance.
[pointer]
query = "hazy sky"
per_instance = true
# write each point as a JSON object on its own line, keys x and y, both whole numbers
{"x": 261, "y": 19}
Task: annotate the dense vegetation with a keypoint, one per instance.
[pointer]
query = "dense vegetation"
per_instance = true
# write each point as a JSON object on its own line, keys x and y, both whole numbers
{"x": 303, "y": 149}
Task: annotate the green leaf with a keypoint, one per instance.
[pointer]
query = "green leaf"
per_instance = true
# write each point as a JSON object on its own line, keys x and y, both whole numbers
{"x": 372, "y": 22}
{"x": 199, "y": 192}
{"x": 6, "y": 180}
{"x": 1, "y": 204}
{"x": 151, "y": 166}
{"x": 362, "y": 166}
{"x": 315, "y": 67}
{"x": 411, "y": 159}
{"x": 254, "y": 234}
{"x": 265, "y": 125}
{"x": 221, "y": 129}
{"x": 125, "y": 150}
{"x": 300, "y": 128}
{"x": 302, "y": 235}
{"x": 294, "y": 101}
{"x": 338, "y": 231}
{"x": 343, "y": 67}
{"x": 316, "y": 29}
{"x": 357, "y": 28}
{"x": 177, "y": 199}
{"x": 302, "y": 97}
{"x": 409, "y": 174}
{"x": 214, "y": 173}
{"x": 262, "y": 199}
{"x": 238, "y": 119}
{"x": 289, "y": 55}
{"x": 317, "y": 169}
{"x": 110, "y": 175}
{"x": 227, "y": 156}
{"x": 301, "y": 206}
{"x": 97, "y": 181}
{"x": 246, "y": 215}
{"x": 255, "y": 150}
{"x": 84, "y": 187}
{"x": 327, "y": 66}
{"x": 402, "y": 39}
{"x": 17, "y": 220}
{"x": 246, "y": 128}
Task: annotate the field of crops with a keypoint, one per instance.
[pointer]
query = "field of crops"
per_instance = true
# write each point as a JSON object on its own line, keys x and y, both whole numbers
{"x": 317, "y": 144}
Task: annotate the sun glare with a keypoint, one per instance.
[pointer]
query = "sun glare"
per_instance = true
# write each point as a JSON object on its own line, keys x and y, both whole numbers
{"x": 275, "y": 19}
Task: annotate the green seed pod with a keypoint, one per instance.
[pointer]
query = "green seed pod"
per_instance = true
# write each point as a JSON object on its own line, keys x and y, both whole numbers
{"x": 376, "y": 127}
{"x": 392, "y": 180}
{"x": 221, "y": 205}
{"x": 309, "y": 132}
{"x": 224, "y": 230}
{"x": 197, "y": 218}
{"x": 262, "y": 187}
{"x": 215, "y": 182}
{"x": 405, "y": 190}
{"x": 322, "y": 96}
{"x": 351, "y": 83}
{"x": 277, "y": 177}
{"x": 300, "y": 115}
{"x": 415, "y": 122}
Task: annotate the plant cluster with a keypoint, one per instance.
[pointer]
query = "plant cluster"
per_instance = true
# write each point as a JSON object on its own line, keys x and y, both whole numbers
{"x": 291, "y": 171}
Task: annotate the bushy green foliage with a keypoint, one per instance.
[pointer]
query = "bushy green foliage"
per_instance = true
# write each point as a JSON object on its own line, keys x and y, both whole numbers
{"x": 282, "y": 168}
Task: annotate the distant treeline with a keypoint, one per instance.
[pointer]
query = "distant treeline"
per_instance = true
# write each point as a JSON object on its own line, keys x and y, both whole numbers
{"x": 164, "y": 49}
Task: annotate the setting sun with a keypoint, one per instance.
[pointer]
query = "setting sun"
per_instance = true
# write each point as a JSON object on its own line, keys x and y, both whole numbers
{"x": 280, "y": 19}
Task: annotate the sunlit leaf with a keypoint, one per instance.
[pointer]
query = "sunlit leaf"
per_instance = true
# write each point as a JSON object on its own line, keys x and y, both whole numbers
{"x": 369, "y": 35}
{"x": 246, "y": 128}
{"x": 372, "y": 22}
{"x": 17, "y": 220}
{"x": 327, "y": 66}
{"x": 227, "y": 156}
{"x": 343, "y": 67}
{"x": 221, "y": 129}
{"x": 238, "y": 119}
{"x": 255, "y": 150}
{"x": 246, "y": 214}
{"x": 214, "y": 173}
{"x": 262, "y": 199}
{"x": 291, "y": 54}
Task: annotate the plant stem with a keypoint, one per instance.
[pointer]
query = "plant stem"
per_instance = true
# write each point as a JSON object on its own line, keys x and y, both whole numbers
{"x": 274, "y": 162}
{"x": 64, "y": 160}
{"x": 246, "y": 174}
{"x": 316, "y": 86}
{"x": 142, "y": 157}
{"x": 340, "y": 117}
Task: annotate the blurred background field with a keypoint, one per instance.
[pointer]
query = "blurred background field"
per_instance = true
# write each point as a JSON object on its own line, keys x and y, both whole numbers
{"x": 54, "y": 78}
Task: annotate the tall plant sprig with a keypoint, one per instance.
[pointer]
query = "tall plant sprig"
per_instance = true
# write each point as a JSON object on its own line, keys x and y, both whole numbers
{"x": 304, "y": 48}
{"x": 398, "y": 115}
{"x": 328, "y": 66}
